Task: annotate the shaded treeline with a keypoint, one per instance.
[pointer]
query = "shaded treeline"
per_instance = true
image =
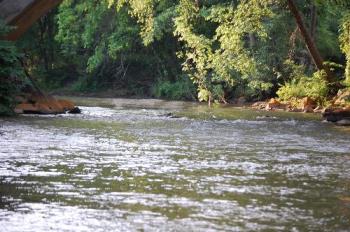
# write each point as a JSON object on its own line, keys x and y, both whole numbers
{"x": 211, "y": 50}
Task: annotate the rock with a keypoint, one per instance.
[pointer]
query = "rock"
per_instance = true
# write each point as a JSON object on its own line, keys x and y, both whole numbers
{"x": 66, "y": 105}
{"x": 308, "y": 105}
{"x": 26, "y": 108}
{"x": 50, "y": 105}
{"x": 170, "y": 115}
{"x": 75, "y": 110}
{"x": 308, "y": 109}
{"x": 293, "y": 109}
{"x": 342, "y": 98}
{"x": 336, "y": 114}
{"x": 18, "y": 110}
{"x": 345, "y": 199}
{"x": 343, "y": 122}
{"x": 45, "y": 108}
{"x": 259, "y": 105}
{"x": 35, "y": 103}
{"x": 274, "y": 104}
{"x": 318, "y": 109}
{"x": 36, "y": 108}
{"x": 43, "y": 104}
{"x": 274, "y": 101}
{"x": 266, "y": 117}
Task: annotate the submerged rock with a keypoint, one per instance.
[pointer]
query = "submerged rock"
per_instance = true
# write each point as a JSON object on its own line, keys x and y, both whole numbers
{"x": 25, "y": 108}
{"x": 67, "y": 105}
{"x": 170, "y": 115}
{"x": 266, "y": 117}
{"x": 75, "y": 110}
{"x": 337, "y": 115}
{"x": 343, "y": 122}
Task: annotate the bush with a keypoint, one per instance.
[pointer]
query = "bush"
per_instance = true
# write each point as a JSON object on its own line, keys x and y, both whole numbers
{"x": 314, "y": 87}
{"x": 84, "y": 84}
{"x": 182, "y": 89}
{"x": 10, "y": 72}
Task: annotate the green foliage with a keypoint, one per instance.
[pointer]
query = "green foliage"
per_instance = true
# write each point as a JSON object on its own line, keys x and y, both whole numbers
{"x": 301, "y": 85}
{"x": 83, "y": 85}
{"x": 226, "y": 48}
{"x": 220, "y": 53}
{"x": 79, "y": 24}
{"x": 328, "y": 18}
{"x": 204, "y": 95}
{"x": 119, "y": 43}
{"x": 154, "y": 16}
{"x": 181, "y": 89}
{"x": 345, "y": 43}
{"x": 10, "y": 72}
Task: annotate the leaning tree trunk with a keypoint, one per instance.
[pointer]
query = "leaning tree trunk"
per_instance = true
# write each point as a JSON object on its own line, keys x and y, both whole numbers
{"x": 315, "y": 54}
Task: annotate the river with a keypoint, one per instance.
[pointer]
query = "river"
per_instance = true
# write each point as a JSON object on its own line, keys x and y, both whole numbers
{"x": 130, "y": 165}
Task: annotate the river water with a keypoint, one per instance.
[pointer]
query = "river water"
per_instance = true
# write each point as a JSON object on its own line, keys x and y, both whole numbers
{"x": 129, "y": 165}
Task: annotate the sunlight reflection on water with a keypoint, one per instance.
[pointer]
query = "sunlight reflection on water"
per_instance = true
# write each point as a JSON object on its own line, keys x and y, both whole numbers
{"x": 130, "y": 169}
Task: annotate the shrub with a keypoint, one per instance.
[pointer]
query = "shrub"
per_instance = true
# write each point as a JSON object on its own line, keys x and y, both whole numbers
{"x": 314, "y": 87}
{"x": 181, "y": 89}
{"x": 10, "y": 72}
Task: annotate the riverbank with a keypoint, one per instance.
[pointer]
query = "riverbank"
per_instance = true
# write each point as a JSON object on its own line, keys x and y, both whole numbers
{"x": 191, "y": 109}
{"x": 336, "y": 111}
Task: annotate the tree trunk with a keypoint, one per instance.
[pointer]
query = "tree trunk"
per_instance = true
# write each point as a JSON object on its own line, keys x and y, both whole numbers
{"x": 252, "y": 40}
{"x": 313, "y": 29}
{"x": 315, "y": 54}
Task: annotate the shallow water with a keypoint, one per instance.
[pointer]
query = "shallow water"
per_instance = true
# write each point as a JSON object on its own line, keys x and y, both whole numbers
{"x": 127, "y": 165}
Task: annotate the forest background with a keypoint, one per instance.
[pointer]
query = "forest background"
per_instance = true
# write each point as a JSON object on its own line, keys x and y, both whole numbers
{"x": 206, "y": 50}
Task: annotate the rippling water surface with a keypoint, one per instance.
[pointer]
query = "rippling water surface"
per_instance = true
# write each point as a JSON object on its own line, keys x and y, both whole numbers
{"x": 128, "y": 165}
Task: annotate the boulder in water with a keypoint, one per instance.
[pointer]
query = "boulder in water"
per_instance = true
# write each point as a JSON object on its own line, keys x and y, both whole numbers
{"x": 343, "y": 122}
{"x": 66, "y": 104}
{"x": 44, "y": 104}
{"x": 25, "y": 108}
{"x": 75, "y": 110}
{"x": 336, "y": 114}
